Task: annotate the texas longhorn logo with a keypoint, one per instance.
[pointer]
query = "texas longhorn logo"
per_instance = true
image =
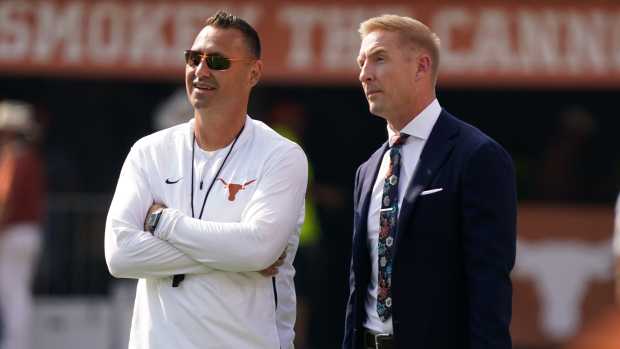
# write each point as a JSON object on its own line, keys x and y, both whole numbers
{"x": 234, "y": 188}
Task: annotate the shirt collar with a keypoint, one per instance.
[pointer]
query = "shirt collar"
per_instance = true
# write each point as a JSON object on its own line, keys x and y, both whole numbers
{"x": 243, "y": 137}
{"x": 421, "y": 125}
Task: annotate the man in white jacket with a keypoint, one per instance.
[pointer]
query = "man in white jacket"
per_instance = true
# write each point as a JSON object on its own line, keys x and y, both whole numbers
{"x": 206, "y": 214}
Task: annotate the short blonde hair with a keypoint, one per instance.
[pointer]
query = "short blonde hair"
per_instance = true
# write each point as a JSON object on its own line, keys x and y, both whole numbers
{"x": 411, "y": 30}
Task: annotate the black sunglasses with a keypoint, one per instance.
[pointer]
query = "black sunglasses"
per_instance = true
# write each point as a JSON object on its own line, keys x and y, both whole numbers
{"x": 214, "y": 61}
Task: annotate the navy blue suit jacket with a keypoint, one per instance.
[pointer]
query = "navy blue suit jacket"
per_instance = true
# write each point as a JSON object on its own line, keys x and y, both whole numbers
{"x": 454, "y": 249}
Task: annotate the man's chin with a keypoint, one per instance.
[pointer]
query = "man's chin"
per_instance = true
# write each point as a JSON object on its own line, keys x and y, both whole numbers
{"x": 375, "y": 110}
{"x": 199, "y": 103}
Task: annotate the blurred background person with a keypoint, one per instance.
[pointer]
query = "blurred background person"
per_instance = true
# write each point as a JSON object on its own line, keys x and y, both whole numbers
{"x": 289, "y": 120}
{"x": 571, "y": 169}
{"x": 324, "y": 208}
{"x": 22, "y": 196}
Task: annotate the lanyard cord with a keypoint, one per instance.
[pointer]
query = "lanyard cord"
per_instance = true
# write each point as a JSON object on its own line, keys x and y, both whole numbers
{"x": 214, "y": 178}
{"x": 178, "y": 278}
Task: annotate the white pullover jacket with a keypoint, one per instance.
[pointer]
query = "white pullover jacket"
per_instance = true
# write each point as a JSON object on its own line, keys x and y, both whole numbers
{"x": 253, "y": 212}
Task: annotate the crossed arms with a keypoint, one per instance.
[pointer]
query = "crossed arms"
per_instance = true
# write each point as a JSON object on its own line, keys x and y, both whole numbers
{"x": 185, "y": 245}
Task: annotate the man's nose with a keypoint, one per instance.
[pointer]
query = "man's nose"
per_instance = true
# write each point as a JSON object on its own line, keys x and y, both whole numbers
{"x": 203, "y": 69}
{"x": 365, "y": 74}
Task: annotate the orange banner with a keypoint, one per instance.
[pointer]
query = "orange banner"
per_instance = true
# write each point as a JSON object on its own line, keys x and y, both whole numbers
{"x": 484, "y": 43}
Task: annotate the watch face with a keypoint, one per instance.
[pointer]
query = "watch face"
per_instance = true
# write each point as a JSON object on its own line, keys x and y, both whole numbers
{"x": 150, "y": 222}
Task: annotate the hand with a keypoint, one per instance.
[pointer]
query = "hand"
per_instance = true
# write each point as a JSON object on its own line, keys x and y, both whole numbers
{"x": 272, "y": 270}
{"x": 154, "y": 207}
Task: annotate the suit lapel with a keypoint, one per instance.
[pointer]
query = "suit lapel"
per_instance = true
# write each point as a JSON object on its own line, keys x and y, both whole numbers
{"x": 372, "y": 169}
{"x": 369, "y": 176}
{"x": 438, "y": 146}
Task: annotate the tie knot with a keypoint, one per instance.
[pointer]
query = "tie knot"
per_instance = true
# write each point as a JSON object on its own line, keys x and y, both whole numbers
{"x": 399, "y": 139}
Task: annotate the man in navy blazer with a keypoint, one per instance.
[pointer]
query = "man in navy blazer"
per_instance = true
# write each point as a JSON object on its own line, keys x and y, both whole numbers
{"x": 435, "y": 275}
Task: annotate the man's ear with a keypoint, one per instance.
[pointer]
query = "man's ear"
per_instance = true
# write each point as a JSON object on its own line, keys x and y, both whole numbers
{"x": 256, "y": 72}
{"x": 424, "y": 64}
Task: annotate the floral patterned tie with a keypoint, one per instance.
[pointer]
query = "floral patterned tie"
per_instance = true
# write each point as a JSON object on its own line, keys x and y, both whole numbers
{"x": 388, "y": 217}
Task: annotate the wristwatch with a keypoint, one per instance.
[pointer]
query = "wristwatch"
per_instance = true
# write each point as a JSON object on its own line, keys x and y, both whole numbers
{"x": 153, "y": 219}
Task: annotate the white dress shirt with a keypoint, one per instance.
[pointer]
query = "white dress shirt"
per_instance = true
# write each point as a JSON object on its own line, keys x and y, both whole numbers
{"x": 418, "y": 129}
{"x": 223, "y": 301}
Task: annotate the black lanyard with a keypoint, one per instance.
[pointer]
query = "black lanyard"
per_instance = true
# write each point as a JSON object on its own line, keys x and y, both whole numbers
{"x": 216, "y": 174}
{"x": 176, "y": 280}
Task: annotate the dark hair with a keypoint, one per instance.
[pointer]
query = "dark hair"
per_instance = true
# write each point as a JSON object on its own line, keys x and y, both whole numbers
{"x": 225, "y": 20}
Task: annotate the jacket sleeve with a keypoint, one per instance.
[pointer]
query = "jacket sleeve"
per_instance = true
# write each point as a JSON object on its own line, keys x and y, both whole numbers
{"x": 286, "y": 310}
{"x": 489, "y": 233}
{"x": 266, "y": 223}
{"x": 349, "y": 322}
{"x": 131, "y": 252}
